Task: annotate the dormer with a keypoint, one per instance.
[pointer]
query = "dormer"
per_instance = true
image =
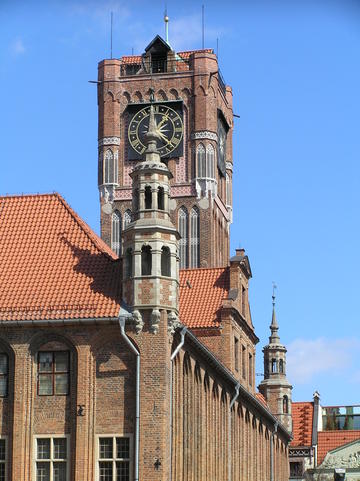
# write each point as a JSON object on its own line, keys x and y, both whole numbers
{"x": 157, "y": 55}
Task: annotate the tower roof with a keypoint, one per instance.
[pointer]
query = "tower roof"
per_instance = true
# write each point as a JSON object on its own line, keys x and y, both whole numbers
{"x": 274, "y": 326}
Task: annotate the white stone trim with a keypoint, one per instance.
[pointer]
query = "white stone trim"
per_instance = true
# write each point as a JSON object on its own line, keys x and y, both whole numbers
{"x": 113, "y": 460}
{"x": 204, "y": 134}
{"x": 109, "y": 141}
{"x": 229, "y": 166}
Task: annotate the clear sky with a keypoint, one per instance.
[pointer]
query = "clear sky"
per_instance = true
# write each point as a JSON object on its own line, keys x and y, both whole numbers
{"x": 295, "y": 72}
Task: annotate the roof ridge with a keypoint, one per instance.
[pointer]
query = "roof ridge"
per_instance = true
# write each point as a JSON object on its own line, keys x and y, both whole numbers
{"x": 202, "y": 268}
{"x": 38, "y": 194}
{"x": 94, "y": 238}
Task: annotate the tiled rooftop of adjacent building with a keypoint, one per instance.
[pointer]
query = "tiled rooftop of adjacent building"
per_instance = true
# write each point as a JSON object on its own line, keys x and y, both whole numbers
{"x": 302, "y": 414}
{"x": 328, "y": 440}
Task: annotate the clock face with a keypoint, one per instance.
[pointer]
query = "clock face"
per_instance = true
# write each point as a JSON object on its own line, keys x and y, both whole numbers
{"x": 169, "y": 126}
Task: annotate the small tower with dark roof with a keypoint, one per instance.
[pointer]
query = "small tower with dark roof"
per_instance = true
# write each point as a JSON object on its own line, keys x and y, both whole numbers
{"x": 150, "y": 259}
{"x": 275, "y": 387}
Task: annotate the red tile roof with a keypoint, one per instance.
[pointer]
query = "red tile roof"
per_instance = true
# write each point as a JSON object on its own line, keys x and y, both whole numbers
{"x": 328, "y": 440}
{"x": 136, "y": 59}
{"x": 302, "y": 414}
{"x": 261, "y": 398}
{"x": 201, "y": 294}
{"x": 52, "y": 265}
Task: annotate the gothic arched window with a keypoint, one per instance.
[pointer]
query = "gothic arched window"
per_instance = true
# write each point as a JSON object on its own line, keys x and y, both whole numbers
{"x": 146, "y": 261}
{"x": 128, "y": 263}
{"x": 136, "y": 200}
{"x": 110, "y": 168}
{"x": 285, "y": 405}
{"x": 281, "y": 366}
{"x": 183, "y": 243}
{"x": 210, "y": 162}
{"x": 165, "y": 261}
{"x": 160, "y": 195}
{"x": 148, "y": 197}
{"x": 194, "y": 237}
{"x": 127, "y": 217}
{"x": 116, "y": 232}
{"x": 201, "y": 161}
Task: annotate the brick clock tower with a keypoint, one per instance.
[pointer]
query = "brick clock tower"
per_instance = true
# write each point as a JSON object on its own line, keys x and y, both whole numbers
{"x": 192, "y": 109}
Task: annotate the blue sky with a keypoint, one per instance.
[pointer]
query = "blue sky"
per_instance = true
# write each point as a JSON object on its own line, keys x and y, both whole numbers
{"x": 295, "y": 72}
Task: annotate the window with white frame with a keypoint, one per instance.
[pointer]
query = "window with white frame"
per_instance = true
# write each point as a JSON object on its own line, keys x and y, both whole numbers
{"x": 114, "y": 454}
{"x": 201, "y": 161}
{"x": 52, "y": 459}
{"x": 3, "y": 458}
{"x": 183, "y": 243}
{"x": 210, "y": 162}
{"x": 110, "y": 168}
{"x": 194, "y": 237}
{"x": 116, "y": 232}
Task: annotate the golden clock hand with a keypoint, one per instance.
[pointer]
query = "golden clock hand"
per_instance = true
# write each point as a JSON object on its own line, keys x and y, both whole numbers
{"x": 164, "y": 119}
{"x": 163, "y": 137}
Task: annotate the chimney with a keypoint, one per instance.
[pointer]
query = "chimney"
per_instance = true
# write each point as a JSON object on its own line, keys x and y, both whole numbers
{"x": 240, "y": 252}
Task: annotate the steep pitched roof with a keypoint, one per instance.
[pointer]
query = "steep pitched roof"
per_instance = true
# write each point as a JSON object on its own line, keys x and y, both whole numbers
{"x": 201, "y": 294}
{"x": 52, "y": 265}
{"x": 328, "y": 440}
{"x": 302, "y": 414}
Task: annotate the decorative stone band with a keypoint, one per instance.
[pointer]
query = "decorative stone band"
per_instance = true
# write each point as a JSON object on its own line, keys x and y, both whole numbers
{"x": 204, "y": 134}
{"x": 182, "y": 191}
{"x": 229, "y": 166}
{"x": 109, "y": 141}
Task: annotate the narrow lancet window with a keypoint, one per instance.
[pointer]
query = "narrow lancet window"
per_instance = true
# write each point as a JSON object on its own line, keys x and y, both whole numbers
{"x": 210, "y": 161}
{"x": 116, "y": 232}
{"x": 128, "y": 263}
{"x": 165, "y": 262}
{"x": 127, "y": 217}
{"x": 146, "y": 261}
{"x": 109, "y": 168}
{"x": 148, "y": 197}
{"x": 201, "y": 160}
{"x": 161, "y": 198}
{"x": 285, "y": 405}
{"x": 195, "y": 238}
{"x": 273, "y": 365}
{"x": 183, "y": 231}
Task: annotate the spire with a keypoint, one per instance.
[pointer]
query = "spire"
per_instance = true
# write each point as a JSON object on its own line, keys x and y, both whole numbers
{"x": 274, "y": 327}
{"x": 152, "y": 135}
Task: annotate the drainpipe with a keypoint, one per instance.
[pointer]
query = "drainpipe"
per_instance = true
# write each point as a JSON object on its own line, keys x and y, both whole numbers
{"x": 272, "y": 451}
{"x": 232, "y": 402}
{"x": 173, "y": 355}
{"x": 122, "y": 320}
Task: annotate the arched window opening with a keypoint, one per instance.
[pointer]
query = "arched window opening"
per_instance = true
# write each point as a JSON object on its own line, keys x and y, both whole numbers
{"x": 110, "y": 170}
{"x": 101, "y": 168}
{"x": 273, "y": 365}
{"x": 160, "y": 198}
{"x": 116, "y": 232}
{"x": 210, "y": 161}
{"x": 128, "y": 263}
{"x": 127, "y": 218}
{"x": 194, "y": 239}
{"x": 285, "y": 405}
{"x": 201, "y": 161}
{"x": 4, "y": 374}
{"x": 146, "y": 261}
{"x": 183, "y": 231}
{"x": 281, "y": 366}
{"x": 165, "y": 261}
{"x": 136, "y": 200}
{"x": 148, "y": 197}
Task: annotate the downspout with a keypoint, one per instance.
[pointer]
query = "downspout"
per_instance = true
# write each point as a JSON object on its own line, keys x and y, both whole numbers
{"x": 137, "y": 409}
{"x": 272, "y": 451}
{"x": 173, "y": 355}
{"x": 232, "y": 402}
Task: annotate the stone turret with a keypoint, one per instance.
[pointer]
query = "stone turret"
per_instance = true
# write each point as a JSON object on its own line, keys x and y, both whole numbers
{"x": 275, "y": 387}
{"x": 150, "y": 260}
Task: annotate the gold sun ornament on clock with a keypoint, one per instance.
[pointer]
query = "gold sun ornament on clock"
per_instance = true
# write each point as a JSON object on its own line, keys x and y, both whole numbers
{"x": 169, "y": 126}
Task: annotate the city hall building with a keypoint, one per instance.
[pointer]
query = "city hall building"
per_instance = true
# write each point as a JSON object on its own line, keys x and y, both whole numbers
{"x": 131, "y": 357}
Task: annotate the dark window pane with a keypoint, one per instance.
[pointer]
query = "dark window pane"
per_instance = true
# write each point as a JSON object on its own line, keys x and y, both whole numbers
{"x": 3, "y": 386}
{"x": 61, "y": 383}
{"x": 2, "y": 450}
{"x": 122, "y": 448}
{"x": 105, "y": 471}
{"x": 45, "y": 361}
{"x": 2, "y": 471}
{"x": 42, "y": 471}
{"x": 106, "y": 448}
{"x": 122, "y": 471}
{"x": 61, "y": 361}
{"x": 59, "y": 472}
{"x": 3, "y": 364}
{"x": 59, "y": 448}
{"x": 45, "y": 384}
{"x": 43, "y": 449}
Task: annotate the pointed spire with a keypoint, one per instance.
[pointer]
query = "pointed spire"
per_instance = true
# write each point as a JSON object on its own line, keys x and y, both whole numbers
{"x": 152, "y": 135}
{"x": 274, "y": 327}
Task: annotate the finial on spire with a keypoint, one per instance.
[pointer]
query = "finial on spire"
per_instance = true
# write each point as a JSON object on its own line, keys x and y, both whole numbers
{"x": 152, "y": 135}
{"x": 166, "y": 20}
{"x": 274, "y": 327}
